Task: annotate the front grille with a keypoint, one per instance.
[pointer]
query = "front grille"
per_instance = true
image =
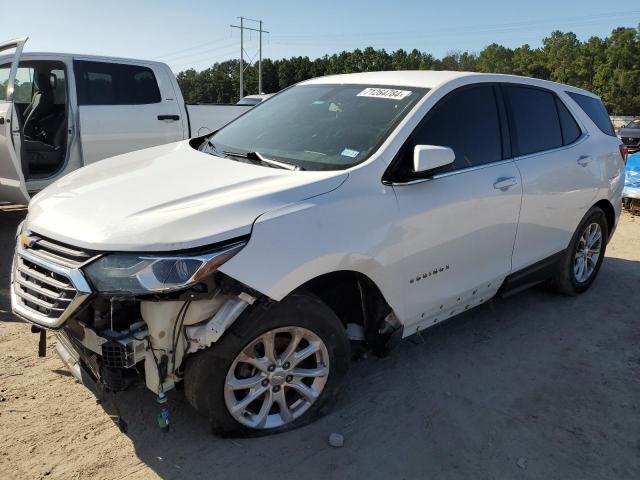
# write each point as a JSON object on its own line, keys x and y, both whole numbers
{"x": 46, "y": 282}
{"x": 41, "y": 290}
{"x": 60, "y": 254}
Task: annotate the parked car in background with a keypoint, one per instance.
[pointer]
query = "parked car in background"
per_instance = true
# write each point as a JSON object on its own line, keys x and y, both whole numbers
{"x": 630, "y": 135}
{"x": 253, "y": 100}
{"x": 352, "y": 207}
{"x": 631, "y": 192}
{"x": 59, "y": 112}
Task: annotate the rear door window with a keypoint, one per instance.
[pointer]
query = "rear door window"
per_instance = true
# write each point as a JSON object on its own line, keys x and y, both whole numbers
{"x": 535, "y": 125}
{"x": 596, "y": 111}
{"x": 103, "y": 83}
{"x": 467, "y": 121}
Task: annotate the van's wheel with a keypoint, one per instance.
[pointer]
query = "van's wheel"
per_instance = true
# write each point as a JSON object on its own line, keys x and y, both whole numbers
{"x": 584, "y": 256}
{"x": 275, "y": 369}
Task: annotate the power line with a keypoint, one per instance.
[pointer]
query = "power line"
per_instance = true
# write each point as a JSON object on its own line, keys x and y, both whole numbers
{"x": 224, "y": 50}
{"x": 376, "y": 39}
{"x": 222, "y": 47}
{"x": 486, "y": 29}
{"x": 208, "y": 57}
{"x": 199, "y": 54}
{"x": 193, "y": 47}
{"x": 433, "y": 37}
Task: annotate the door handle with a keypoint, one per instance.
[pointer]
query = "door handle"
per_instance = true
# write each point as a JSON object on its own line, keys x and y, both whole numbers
{"x": 169, "y": 117}
{"x": 1, "y": 120}
{"x": 505, "y": 183}
{"x": 584, "y": 160}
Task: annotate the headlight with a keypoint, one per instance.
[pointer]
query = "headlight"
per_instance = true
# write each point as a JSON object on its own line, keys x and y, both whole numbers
{"x": 138, "y": 274}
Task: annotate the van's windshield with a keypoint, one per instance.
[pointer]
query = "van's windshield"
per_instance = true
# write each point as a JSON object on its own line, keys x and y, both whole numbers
{"x": 317, "y": 127}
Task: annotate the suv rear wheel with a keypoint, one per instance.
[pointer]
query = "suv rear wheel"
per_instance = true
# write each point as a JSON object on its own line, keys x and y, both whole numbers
{"x": 275, "y": 369}
{"x": 584, "y": 256}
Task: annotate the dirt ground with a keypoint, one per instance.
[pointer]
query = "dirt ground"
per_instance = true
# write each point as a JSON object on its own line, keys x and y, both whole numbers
{"x": 537, "y": 386}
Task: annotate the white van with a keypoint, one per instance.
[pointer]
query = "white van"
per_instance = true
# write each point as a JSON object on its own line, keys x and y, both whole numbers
{"x": 59, "y": 112}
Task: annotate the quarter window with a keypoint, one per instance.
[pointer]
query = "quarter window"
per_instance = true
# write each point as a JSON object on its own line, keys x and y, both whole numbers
{"x": 535, "y": 125}
{"x": 466, "y": 121}
{"x": 596, "y": 111}
{"x": 102, "y": 83}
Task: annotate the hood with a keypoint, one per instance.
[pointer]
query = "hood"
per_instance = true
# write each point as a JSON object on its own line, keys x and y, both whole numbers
{"x": 170, "y": 197}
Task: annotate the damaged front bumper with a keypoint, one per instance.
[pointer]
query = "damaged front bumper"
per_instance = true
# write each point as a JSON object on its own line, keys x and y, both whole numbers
{"x": 151, "y": 349}
{"x": 117, "y": 359}
{"x": 114, "y": 340}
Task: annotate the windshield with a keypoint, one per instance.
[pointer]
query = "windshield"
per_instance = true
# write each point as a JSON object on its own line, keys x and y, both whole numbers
{"x": 633, "y": 124}
{"x": 318, "y": 127}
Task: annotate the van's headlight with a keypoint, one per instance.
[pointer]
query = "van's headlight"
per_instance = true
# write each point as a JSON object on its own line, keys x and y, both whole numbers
{"x": 139, "y": 274}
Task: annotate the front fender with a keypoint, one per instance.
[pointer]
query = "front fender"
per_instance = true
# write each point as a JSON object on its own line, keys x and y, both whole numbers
{"x": 346, "y": 229}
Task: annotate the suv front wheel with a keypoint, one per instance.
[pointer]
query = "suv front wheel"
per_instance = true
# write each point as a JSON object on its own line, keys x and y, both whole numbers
{"x": 584, "y": 256}
{"x": 275, "y": 369}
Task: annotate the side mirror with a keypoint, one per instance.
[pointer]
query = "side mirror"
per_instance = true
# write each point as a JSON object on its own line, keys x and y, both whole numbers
{"x": 430, "y": 157}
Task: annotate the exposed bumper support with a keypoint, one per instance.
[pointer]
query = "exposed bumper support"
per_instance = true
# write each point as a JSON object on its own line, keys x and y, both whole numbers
{"x": 204, "y": 334}
{"x": 71, "y": 359}
{"x": 69, "y": 356}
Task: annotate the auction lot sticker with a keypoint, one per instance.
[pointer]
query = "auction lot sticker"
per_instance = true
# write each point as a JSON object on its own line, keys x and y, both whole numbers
{"x": 390, "y": 93}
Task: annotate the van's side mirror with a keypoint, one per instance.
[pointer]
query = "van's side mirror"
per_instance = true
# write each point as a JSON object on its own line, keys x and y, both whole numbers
{"x": 431, "y": 157}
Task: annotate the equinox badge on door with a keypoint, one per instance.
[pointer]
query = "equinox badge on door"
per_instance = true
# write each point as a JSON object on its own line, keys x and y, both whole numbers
{"x": 430, "y": 273}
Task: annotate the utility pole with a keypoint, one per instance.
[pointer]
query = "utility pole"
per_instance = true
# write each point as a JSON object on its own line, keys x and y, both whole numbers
{"x": 260, "y": 62}
{"x": 242, "y": 51}
{"x": 241, "y": 58}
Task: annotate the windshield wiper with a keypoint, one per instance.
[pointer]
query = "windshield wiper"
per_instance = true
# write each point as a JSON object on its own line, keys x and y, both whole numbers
{"x": 277, "y": 163}
{"x": 257, "y": 156}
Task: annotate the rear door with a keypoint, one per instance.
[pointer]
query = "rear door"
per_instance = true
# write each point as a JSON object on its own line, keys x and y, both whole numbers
{"x": 124, "y": 107}
{"x": 12, "y": 185}
{"x": 561, "y": 174}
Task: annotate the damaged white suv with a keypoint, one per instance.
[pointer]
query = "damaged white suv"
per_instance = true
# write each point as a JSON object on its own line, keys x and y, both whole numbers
{"x": 361, "y": 207}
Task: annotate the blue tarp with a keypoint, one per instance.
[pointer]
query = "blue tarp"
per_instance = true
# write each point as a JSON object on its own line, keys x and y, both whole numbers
{"x": 632, "y": 180}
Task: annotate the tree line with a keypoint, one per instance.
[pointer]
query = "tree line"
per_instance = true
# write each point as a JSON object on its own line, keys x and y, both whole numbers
{"x": 609, "y": 67}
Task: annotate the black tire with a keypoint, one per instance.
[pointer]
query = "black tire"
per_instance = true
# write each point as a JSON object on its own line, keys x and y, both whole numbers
{"x": 205, "y": 372}
{"x": 565, "y": 281}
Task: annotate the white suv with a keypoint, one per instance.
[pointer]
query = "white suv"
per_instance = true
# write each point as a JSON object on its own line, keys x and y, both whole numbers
{"x": 360, "y": 208}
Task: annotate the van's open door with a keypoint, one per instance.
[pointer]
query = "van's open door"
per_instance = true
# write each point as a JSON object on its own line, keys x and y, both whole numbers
{"x": 12, "y": 184}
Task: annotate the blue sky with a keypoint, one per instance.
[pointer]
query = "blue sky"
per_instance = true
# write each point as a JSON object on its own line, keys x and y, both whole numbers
{"x": 196, "y": 33}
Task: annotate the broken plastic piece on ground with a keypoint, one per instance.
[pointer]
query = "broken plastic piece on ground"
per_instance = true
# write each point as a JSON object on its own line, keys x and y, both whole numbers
{"x": 336, "y": 440}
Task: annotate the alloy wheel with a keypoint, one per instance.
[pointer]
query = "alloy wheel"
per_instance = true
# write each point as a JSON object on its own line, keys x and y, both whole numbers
{"x": 276, "y": 378}
{"x": 587, "y": 252}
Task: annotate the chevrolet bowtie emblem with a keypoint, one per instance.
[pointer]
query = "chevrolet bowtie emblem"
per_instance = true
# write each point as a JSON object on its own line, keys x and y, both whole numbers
{"x": 27, "y": 241}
